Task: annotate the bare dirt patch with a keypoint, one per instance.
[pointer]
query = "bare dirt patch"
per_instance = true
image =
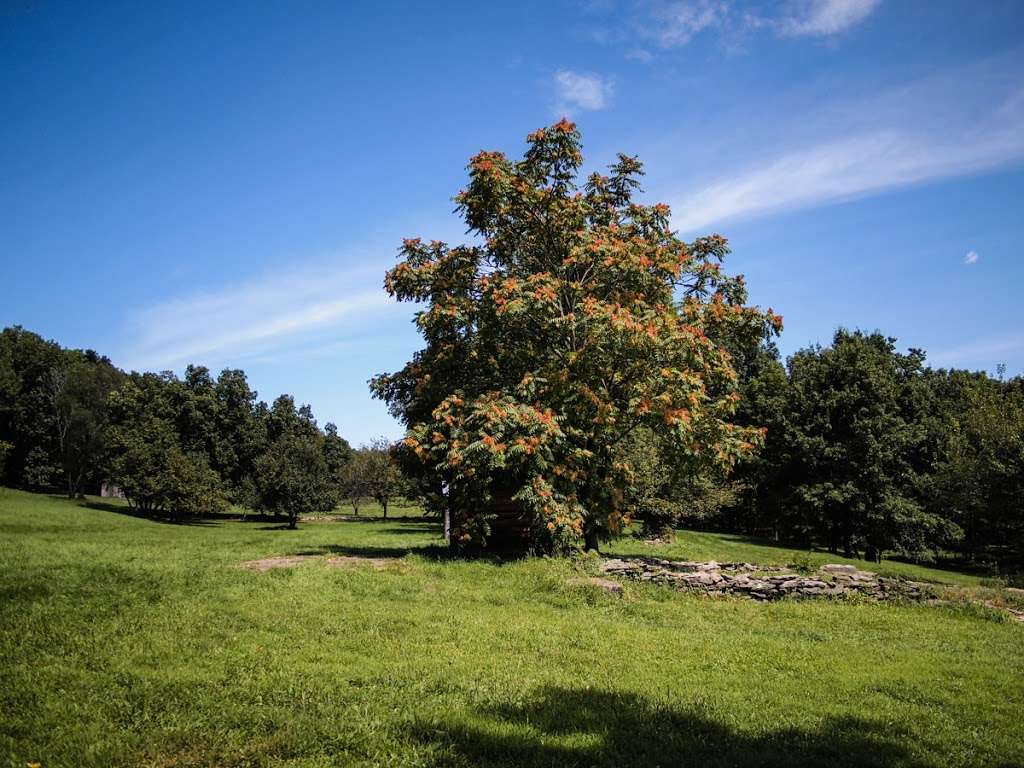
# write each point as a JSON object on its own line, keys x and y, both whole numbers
{"x": 280, "y": 561}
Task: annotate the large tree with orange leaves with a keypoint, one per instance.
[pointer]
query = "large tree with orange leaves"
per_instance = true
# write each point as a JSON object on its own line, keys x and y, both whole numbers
{"x": 575, "y": 317}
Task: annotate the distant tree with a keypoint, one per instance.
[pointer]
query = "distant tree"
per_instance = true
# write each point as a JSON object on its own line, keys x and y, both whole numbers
{"x": 353, "y": 480}
{"x": 764, "y": 504}
{"x": 979, "y": 477}
{"x": 146, "y": 456}
{"x": 337, "y": 452}
{"x": 856, "y": 426}
{"x": 577, "y": 318}
{"x": 384, "y": 481}
{"x": 79, "y": 391}
{"x": 672, "y": 490}
{"x": 292, "y": 477}
{"x": 26, "y": 416}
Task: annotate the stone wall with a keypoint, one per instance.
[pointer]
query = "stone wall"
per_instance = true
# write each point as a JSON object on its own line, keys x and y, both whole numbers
{"x": 760, "y": 582}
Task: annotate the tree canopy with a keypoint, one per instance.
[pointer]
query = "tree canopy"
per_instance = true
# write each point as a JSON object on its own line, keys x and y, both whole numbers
{"x": 575, "y": 318}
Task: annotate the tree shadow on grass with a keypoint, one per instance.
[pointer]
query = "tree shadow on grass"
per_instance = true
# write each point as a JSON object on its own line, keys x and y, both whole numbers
{"x": 429, "y": 551}
{"x": 435, "y": 552}
{"x": 350, "y": 518}
{"x": 413, "y": 529}
{"x": 578, "y": 727}
{"x": 167, "y": 519}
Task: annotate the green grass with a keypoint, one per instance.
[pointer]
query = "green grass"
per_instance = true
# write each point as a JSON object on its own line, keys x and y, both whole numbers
{"x": 128, "y": 642}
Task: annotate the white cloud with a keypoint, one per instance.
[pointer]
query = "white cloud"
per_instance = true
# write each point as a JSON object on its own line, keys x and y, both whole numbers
{"x": 825, "y": 17}
{"x": 971, "y": 257}
{"x": 676, "y": 23}
{"x": 578, "y": 90}
{"x": 261, "y": 317}
{"x": 909, "y": 136}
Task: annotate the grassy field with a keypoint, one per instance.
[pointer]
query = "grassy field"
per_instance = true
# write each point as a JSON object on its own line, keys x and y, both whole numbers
{"x": 128, "y": 642}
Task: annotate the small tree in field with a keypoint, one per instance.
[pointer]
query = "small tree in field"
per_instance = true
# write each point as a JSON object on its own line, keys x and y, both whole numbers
{"x": 383, "y": 479}
{"x": 353, "y": 480}
{"x": 292, "y": 477}
{"x": 575, "y": 318}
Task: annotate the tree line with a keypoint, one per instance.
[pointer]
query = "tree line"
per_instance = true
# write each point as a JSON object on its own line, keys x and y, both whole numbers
{"x": 185, "y": 446}
{"x": 867, "y": 451}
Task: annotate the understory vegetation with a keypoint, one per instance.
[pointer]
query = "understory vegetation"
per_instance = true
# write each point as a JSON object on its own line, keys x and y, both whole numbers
{"x": 126, "y": 641}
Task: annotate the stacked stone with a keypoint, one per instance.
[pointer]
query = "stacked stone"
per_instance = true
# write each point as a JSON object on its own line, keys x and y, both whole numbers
{"x": 760, "y": 582}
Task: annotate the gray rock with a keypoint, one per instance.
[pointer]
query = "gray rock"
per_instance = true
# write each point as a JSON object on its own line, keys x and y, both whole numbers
{"x": 839, "y": 568}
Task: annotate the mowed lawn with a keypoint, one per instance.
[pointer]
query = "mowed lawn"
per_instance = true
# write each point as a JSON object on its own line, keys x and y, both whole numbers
{"x": 128, "y": 642}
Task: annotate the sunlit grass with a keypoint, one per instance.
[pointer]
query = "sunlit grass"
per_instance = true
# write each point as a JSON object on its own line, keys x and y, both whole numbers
{"x": 129, "y": 642}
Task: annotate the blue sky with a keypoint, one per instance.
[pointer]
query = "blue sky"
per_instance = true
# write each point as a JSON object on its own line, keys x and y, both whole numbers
{"x": 225, "y": 183}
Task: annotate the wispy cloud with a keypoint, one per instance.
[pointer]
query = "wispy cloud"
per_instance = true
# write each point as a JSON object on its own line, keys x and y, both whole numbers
{"x": 862, "y": 149}
{"x": 581, "y": 91}
{"x": 673, "y": 24}
{"x": 984, "y": 353}
{"x": 825, "y": 17}
{"x": 260, "y": 318}
{"x": 971, "y": 257}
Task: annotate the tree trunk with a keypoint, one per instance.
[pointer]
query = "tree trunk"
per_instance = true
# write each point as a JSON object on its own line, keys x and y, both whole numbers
{"x": 591, "y": 539}
{"x": 384, "y": 504}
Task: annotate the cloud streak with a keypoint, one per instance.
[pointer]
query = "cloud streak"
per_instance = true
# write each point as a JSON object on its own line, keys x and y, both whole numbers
{"x": 819, "y": 18}
{"x": 895, "y": 148}
{"x": 674, "y": 24}
{"x": 259, "y": 317}
{"x": 971, "y": 257}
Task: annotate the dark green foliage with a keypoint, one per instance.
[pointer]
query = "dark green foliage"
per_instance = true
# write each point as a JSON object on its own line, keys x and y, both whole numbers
{"x": 383, "y": 479}
{"x": 292, "y": 477}
{"x": 353, "y": 480}
{"x": 978, "y": 480}
{"x": 869, "y": 452}
{"x": 175, "y": 446}
{"x": 672, "y": 490}
{"x": 158, "y": 470}
{"x": 337, "y": 452}
{"x": 79, "y": 393}
{"x": 26, "y": 413}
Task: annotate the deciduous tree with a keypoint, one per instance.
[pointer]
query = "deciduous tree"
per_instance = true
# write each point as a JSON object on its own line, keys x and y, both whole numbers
{"x": 575, "y": 317}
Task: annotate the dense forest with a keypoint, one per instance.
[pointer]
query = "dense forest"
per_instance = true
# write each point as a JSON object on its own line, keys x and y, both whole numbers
{"x": 867, "y": 450}
{"x": 71, "y": 420}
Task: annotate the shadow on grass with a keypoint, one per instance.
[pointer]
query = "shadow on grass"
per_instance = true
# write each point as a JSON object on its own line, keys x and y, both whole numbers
{"x": 350, "y": 518}
{"x": 577, "y": 727}
{"x": 168, "y": 519}
{"x": 435, "y": 552}
{"x": 413, "y": 528}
